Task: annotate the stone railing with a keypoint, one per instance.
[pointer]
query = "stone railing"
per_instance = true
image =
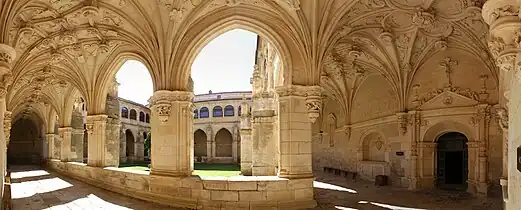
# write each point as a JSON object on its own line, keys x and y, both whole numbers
{"x": 194, "y": 192}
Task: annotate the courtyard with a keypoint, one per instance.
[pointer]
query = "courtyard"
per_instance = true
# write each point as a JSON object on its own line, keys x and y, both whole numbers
{"x": 35, "y": 188}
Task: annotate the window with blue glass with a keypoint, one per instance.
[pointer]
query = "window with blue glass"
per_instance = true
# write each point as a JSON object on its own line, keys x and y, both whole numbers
{"x": 204, "y": 113}
{"x": 229, "y": 111}
{"x": 196, "y": 113}
{"x": 217, "y": 111}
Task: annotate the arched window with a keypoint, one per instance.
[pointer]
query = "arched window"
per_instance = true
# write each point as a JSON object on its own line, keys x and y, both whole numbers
{"x": 229, "y": 111}
{"x": 240, "y": 110}
{"x": 204, "y": 112}
{"x": 196, "y": 113}
{"x": 217, "y": 111}
{"x": 141, "y": 117}
{"x": 124, "y": 112}
{"x": 147, "y": 118}
{"x": 133, "y": 114}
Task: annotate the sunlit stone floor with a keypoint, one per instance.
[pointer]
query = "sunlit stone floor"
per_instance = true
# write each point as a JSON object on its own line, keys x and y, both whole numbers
{"x": 34, "y": 188}
{"x": 335, "y": 192}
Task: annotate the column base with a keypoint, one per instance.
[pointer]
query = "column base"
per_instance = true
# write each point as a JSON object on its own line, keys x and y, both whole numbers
{"x": 296, "y": 176}
{"x": 246, "y": 169}
{"x": 504, "y": 188}
{"x": 413, "y": 183}
{"x": 170, "y": 173}
{"x": 264, "y": 171}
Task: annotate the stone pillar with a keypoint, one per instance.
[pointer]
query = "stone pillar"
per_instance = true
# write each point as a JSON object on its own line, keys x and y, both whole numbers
{"x": 473, "y": 166}
{"x": 54, "y": 152}
{"x": 172, "y": 132}
{"x": 234, "y": 148}
{"x": 246, "y": 141}
{"x": 505, "y": 46}
{"x": 103, "y": 145}
{"x": 209, "y": 146}
{"x": 7, "y": 56}
{"x": 77, "y": 145}
{"x": 299, "y": 107}
{"x": 426, "y": 167}
{"x": 264, "y": 161}
{"x": 66, "y": 142}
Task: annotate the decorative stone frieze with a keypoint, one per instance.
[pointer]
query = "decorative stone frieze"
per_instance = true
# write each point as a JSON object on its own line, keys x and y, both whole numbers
{"x": 314, "y": 102}
{"x": 7, "y": 56}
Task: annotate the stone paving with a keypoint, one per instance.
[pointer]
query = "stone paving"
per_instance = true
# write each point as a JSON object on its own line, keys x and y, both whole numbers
{"x": 34, "y": 188}
{"x": 335, "y": 192}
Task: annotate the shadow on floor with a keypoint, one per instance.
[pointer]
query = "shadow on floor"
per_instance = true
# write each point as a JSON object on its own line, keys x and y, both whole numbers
{"x": 36, "y": 188}
{"x": 335, "y": 192}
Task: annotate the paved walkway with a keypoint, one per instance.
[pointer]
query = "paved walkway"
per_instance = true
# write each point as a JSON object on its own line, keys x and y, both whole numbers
{"x": 335, "y": 192}
{"x": 33, "y": 188}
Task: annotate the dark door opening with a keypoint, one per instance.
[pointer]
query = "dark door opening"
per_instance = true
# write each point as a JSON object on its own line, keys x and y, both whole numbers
{"x": 452, "y": 162}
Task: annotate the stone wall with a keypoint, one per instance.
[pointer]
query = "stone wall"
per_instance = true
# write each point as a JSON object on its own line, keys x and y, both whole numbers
{"x": 195, "y": 192}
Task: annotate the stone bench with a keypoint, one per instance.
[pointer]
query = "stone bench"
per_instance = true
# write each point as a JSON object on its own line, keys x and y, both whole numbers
{"x": 341, "y": 172}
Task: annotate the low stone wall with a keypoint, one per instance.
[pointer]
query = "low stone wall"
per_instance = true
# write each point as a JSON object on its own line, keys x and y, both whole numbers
{"x": 240, "y": 192}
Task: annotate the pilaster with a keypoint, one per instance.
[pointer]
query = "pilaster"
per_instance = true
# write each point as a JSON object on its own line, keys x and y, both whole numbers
{"x": 299, "y": 107}
{"x": 7, "y": 126}
{"x": 66, "y": 142}
{"x": 172, "y": 132}
{"x": 7, "y": 56}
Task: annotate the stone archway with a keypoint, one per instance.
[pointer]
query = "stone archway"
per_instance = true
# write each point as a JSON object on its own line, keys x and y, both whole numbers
{"x": 452, "y": 161}
{"x": 223, "y": 143}
{"x": 26, "y": 143}
{"x": 129, "y": 151}
{"x": 200, "y": 148}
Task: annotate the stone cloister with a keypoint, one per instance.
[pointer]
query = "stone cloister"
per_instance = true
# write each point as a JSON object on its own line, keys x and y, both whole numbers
{"x": 423, "y": 91}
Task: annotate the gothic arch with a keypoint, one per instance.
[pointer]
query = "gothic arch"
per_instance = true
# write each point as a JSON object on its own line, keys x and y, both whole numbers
{"x": 200, "y": 143}
{"x": 373, "y": 146}
{"x": 223, "y": 141}
{"x": 290, "y": 53}
{"x": 435, "y": 131}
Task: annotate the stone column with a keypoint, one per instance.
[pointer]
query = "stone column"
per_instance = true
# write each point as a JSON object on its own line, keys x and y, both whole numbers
{"x": 53, "y": 153}
{"x": 264, "y": 162}
{"x": 505, "y": 46}
{"x": 77, "y": 144}
{"x": 246, "y": 141}
{"x": 66, "y": 142}
{"x": 473, "y": 166}
{"x": 7, "y": 56}
{"x": 299, "y": 106}
{"x": 209, "y": 150}
{"x": 103, "y": 145}
{"x": 234, "y": 149}
{"x": 172, "y": 132}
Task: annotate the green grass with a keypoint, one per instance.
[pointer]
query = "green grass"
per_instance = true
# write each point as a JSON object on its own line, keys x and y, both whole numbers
{"x": 201, "y": 169}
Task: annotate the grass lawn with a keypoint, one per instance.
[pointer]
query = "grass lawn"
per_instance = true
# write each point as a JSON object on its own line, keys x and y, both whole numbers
{"x": 201, "y": 169}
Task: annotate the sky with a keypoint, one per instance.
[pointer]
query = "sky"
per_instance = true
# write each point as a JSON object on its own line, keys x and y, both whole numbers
{"x": 224, "y": 65}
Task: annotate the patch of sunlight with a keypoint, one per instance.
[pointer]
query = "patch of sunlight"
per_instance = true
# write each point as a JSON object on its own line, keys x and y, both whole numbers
{"x": 24, "y": 174}
{"x": 216, "y": 173}
{"x": 327, "y": 186}
{"x": 388, "y": 206}
{"x": 88, "y": 202}
{"x": 30, "y": 188}
{"x": 344, "y": 208}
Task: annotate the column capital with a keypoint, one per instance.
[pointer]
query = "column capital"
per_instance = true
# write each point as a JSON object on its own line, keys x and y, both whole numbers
{"x": 7, "y": 56}
{"x": 312, "y": 94}
{"x": 494, "y": 10}
{"x": 161, "y": 102}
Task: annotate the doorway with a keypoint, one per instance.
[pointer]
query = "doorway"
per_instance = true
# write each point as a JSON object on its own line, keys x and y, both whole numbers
{"x": 452, "y": 162}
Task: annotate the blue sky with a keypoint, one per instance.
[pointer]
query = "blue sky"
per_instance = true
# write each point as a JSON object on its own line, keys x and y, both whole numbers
{"x": 225, "y": 64}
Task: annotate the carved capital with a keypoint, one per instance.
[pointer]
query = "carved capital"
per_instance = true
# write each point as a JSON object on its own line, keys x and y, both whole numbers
{"x": 162, "y": 101}
{"x": 314, "y": 102}
{"x": 402, "y": 122}
{"x": 506, "y": 62}
{"x": 496, "y": 9}
{"x": 7, "y": 56}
